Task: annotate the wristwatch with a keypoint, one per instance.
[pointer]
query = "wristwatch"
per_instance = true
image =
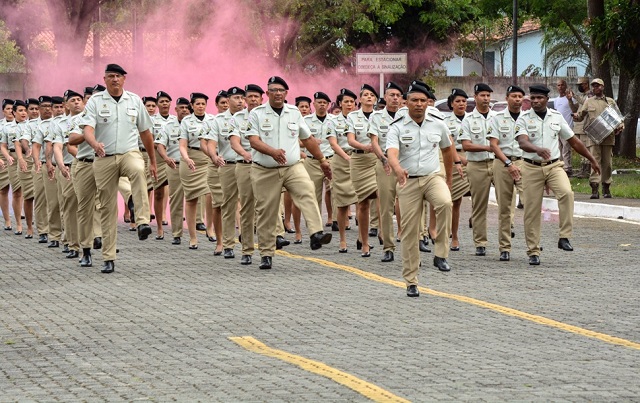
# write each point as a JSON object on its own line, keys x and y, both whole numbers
{"x": 507, "y": 163}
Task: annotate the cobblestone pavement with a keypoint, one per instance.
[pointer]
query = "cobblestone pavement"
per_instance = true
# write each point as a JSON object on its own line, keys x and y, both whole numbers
{"x": 158, "y": 328}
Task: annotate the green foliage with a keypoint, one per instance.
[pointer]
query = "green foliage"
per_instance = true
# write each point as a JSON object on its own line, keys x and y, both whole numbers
{"x": 11, "y": 60}
{"x": 562, "y": 47}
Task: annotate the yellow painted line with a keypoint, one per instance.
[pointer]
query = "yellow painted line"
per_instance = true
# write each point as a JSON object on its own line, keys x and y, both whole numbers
{"x": 365, "y": 388}
{"x": 483, "y": 304}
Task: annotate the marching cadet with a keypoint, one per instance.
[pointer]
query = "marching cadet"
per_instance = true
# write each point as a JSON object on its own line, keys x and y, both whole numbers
{"x": 274, "y": 131}
{"x": 363, "y": 163}
{"x": 412, "y": 150}
{"x": 507, "y": 165}
{"x": 193, "y": 163}
{"x": 473, "y": 138}
{"x": 10, "y": 141}
{"x": 53, "y": 190}
{"x": 457, "y": 102}
{"x": 25, "y": 161}
{"x": 112, "y": 122}
{"x": 222, "y": 101}
{"x": 160, "y": 196}
{"x": 151, "y": 105}
{"x": 241, "y": 145}
{"x": 537, "y": 131}
{"x": 168, "y": 148}
{"x": 64, "y": 154}
{"x": 221, "y": 154}
{"x": 378, "y": 131}
{"x": 5, "y": 182}
{"x": 88, "y": 91}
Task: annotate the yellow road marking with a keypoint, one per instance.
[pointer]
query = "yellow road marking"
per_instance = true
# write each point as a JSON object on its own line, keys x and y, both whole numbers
{"x": 488, "y": 305}
{"x": 365, "y": 388}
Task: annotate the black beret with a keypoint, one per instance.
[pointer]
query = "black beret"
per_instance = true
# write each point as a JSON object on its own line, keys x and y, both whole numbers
{"x": 539, "y": 89}
{"x": 45, "y": 99}
{"x": 32, "y": 101}
{"x": 88, "y": 90}
{"x": 302, "y": 99}
{"x": 182, "y": 101}
{"x": 162, "y": 94}
{"x": 253, "y": 88}
{"x": 392, "y": 85}
{"x": 196, "y": 95}
{"x": 369, "y": 88}
{"x": 480, "y": 87}
{"x": 419, "y": 88}
{"x": 321, "y": 95}
{"x": 278, "y": 80}
{"x": 221, "y": 94}
{"x": 114, "y": 68}
{"x": 70, "y": 94}
{"x": 98, "y": 88}
{"x": 147, "y": 99}
{"x": 235, "y": 91}
{"x": 422, "y": 83}
{"x": 431, "y": 95}
{"x": 6, "y": 102}
{"x": 404, "y": 96}
{"x": 457, "y": 92}
{"x": 56, "y": 100}
{"x": 348, "y": 93}
{"x": 18, "y": 102}
{"x": 381, "y": 101}
{"x": 514, "y": 88}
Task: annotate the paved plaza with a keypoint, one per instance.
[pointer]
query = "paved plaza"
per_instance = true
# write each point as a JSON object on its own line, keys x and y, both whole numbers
{"x": 184, "y": 325}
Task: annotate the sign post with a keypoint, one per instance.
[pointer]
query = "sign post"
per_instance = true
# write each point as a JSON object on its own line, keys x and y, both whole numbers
{"x": 381, "y": 63}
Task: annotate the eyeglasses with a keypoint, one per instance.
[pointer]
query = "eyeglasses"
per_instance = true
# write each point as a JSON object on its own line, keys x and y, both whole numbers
{"x": 276, "y": 90}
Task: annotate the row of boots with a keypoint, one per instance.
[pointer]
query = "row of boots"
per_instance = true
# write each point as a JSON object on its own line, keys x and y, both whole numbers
{"x": 606, "y": 192}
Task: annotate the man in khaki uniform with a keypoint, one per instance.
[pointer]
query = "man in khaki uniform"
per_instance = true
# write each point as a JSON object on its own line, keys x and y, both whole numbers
{"x": 48, "y": 221}
{"x": 507, "y": 165}
{"x": 112, "y": 122}
{"x": 537, "y": 131}
{"x": 473, "y": 138}
{"x": 603, "y": 152}
{"x": 274, "y": 132}
{"x": 578, "y": 127}
{"x": 412, "y": 149}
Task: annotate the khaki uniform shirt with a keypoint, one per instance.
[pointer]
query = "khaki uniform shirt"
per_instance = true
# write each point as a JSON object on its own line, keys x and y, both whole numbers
{"x": 591, "y": 109}
{"x": 578, "y": 127}
{"x": 455, "y": 126}
{"x": 380, "y": 123}
{"x": 193, "y": 129}
{"x": 219, "y": 129}
{"x": 341, "y": 132}
{"x": 502, "y": 127}
{"x": 169, "y": 137}
{"x": 475, "y": 128}
{"x": 240, "y": 123}
{"x": 60, "y": 134}
{"x": 41, "y": 134}
{"x": 543, "y": 133}
{"x": 358, "y": 124}
{"x": 321, "y": 130}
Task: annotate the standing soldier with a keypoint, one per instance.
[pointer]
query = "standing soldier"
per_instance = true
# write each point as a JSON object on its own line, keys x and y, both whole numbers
{"x": 537, "y": 131}
{"x": 412, "y": 149}
{"x": 47, "y": 218}
{"x": 578, "y": 127}
{"x": 274, "y": 131}
{"x": 112, "y": 122}
{"x": 473, "y": 138}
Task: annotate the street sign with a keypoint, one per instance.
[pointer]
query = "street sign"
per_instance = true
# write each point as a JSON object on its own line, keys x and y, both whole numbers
{"x": 381, "y": 63}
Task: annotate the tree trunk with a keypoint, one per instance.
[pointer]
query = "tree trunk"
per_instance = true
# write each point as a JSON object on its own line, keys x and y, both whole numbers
{"x": 599, "y": 63}
{"x": 626, "y": 141}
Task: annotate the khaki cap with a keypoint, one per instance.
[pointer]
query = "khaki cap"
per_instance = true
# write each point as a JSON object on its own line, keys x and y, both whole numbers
{"x": 597, "y": 81}
{"x": 583, "y": 80}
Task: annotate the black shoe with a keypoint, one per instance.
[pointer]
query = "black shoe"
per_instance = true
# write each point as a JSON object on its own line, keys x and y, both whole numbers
{"x": 520, "y": 206}
{"x": 345, "y": 250}
{"x": 97, "y": 242}
{"x": 28, "y": 236}
{"x": 65, "y": 248}
{"x": 144, "y": 230}
{"x": 365, "y": 254}
{"x": 165, "y": 222}
{"x": 481, "y": 251}
{"x": 281, "y": 242}
{"x": 108, "y": 266}
{"x": 290, "y": 230}
{"x": 201, "y": 227}
{"x": 43, "y": 238}
{"x": 159, "y": 237}
{"x": 505, "y": 256}
{"x": 513, "y": 234}
{"x": 563, "y": 243}
{"x": 373, "y": 232}
{"x": 245, "y": 260}
{"x": 194, "y": 247}
{"x": 72, "y": 254}
{"x": 8, "y": 228}
{"x": 265, "y": 263}
{"x": 334, "y": 226}
{"x": 176, "y": 241}
{"x": 217, "y": 252}
{"x": 441, "y": 263}
{"x": 454, "y": 248}
{"x": 534, "y": 260}
{"x": 228, "y": 253}
{"x": 359, "y": 245}
{"x": 212, "y": 238}
{"x": 470, "y": 223}
{"x": 17, "y": 232}
{"x": 412, "y": 291}
{"x": 152, "y": 217}
{"x": 424, "y": 246}
{"x": 388, "y": 257}
{"x": 53, "y": 244}
{"x": 328, "y": 224}
{"x": 320, "y": 238}
{"x": 86, "y": 258}
{"x": 297, "y": 242}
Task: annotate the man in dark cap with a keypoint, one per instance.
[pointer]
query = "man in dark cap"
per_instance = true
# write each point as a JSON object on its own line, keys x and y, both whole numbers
{"x": 274, "y": 132}
{"x": 112, "y": 122}
{"x": 88, "y": 91}
{"x": 473, "y": 138}
{"x": 537, "y": 131}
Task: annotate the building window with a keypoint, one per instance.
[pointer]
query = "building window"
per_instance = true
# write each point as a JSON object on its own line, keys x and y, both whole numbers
{"x": 572, "y": 71}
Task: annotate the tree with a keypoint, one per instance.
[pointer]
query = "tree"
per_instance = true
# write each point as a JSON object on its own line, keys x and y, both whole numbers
{"x": 481, "y": 34}
{"x": 11, "y": 60}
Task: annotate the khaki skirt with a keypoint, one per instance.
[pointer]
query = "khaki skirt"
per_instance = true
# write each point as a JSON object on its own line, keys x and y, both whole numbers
{"x": 460, "y": 185}
{"x": 4, "y": 174}
{"x": 26, "y": 180}
{"x": 161, "y": 168}
{"x": 363, "y": 175}
{"x": 194, "y": 183}
{"x": 341, "y": 186}
{"x": 213, "y": 179}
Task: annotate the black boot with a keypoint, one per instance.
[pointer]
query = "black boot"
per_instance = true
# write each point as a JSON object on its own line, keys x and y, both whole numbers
{"x": 606, "y": 192}
{"x": 131, "y": 209}
{"x": 594, "y": 191}
{"x": 86, "y": 258}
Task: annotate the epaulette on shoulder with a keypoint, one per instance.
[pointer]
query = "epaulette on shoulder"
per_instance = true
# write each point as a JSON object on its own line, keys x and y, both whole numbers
{"x": 435, "y": 116}
{"x": 397, "y": 120}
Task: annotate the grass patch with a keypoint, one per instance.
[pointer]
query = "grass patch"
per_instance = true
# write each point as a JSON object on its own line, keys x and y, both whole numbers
{"x": 625, "y": 185}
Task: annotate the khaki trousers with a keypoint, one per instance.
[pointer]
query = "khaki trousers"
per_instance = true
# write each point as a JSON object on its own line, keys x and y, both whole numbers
{"x": 229, "y": 204}
{"x": 69, "y": 205}
{"x": 374, "y": 217}
{"x": 565, "y": 151}
{"x": 107, "y": 172}
{"x": 533, "y": 180}
{"x": 267, "y": 185}
{"x": 505, "y": 196}
{"x": 40, "y": 202}
{"x": 434, "y": 189}
{"x": 53, "y": 207}
{"x": 84, "y": 184}
{"x": 480, "y": 175}
{"x": 176, "y": 201}
{"x": 247, "y": 207}
{"x": 316, "y": 175}
{"x": 387, "y": 196}
{"x": 604, "y": 156}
